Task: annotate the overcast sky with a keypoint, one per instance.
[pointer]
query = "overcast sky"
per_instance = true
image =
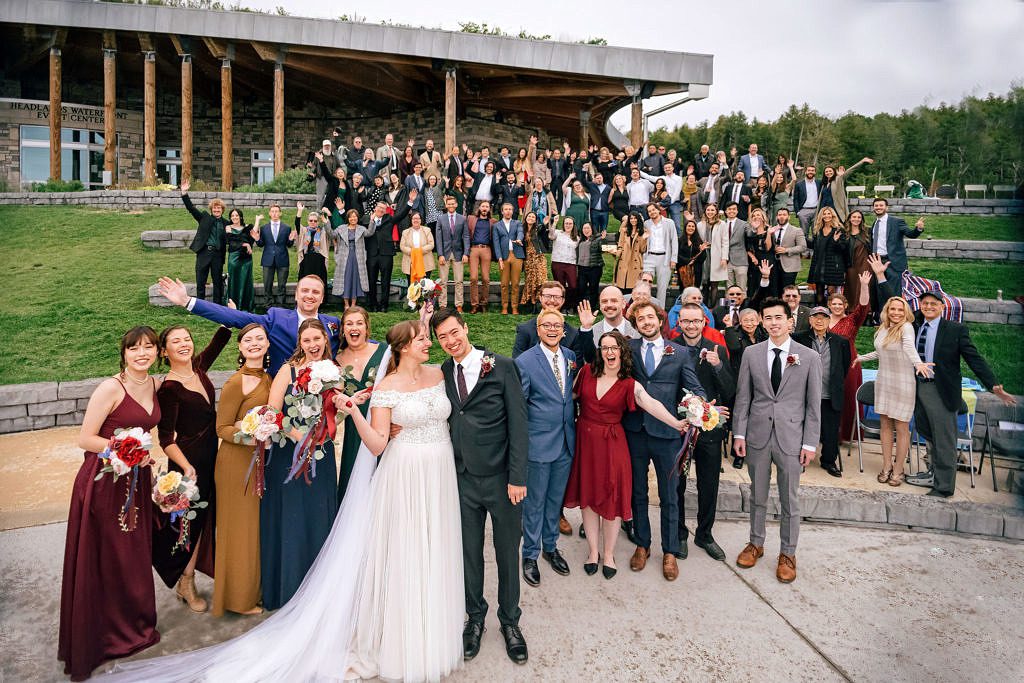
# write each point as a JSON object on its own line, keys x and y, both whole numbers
{"x": 866, "y": 56}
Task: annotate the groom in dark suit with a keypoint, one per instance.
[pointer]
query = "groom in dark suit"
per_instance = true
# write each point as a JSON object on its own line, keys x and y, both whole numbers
{"x": 490, "y": 439}
{"x": 776, "y": 419}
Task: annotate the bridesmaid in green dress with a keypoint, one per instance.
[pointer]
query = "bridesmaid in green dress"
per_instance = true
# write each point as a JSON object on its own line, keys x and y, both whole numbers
{"x": 359, "y": 359}
{"x": 577, "y": 201}
{"x": 240, "y": 241}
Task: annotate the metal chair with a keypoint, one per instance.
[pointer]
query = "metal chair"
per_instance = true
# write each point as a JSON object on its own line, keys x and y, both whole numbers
{"x": 865, "y": 398}
{"x": 879, "y": 189}
{"x": 999, "y": 441}
{"x": 968, "y": 189}
{"x": 965, "y": 438}
{"x": 1001, "y": 189}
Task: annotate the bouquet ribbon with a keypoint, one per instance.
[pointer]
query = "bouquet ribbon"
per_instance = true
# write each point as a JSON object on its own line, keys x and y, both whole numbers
{"x": 256, "y": 474}
{"x": 129, "y": 514}
{"x": 183, "y": 539}
{"x": 303, "y": 461}
{"x": 683, "y": 457}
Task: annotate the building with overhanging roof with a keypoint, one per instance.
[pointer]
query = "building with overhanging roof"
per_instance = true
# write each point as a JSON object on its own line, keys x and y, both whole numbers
{"x": 152, "y": 92}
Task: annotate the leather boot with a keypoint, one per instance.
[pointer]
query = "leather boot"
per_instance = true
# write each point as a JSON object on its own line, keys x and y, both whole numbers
{"x": 187, "y": 593}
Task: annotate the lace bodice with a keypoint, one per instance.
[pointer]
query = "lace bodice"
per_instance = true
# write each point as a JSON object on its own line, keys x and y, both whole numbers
{"x": 423, "y": 414}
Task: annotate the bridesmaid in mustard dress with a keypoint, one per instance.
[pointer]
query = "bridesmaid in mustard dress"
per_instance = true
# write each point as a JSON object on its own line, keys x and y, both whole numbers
{"x": 236, "y": 569}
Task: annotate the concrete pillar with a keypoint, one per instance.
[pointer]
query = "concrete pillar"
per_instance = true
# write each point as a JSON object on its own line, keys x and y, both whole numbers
{"x": 110, "y": 113}
{"x": 226, "y": 149}
{"x": 278, "y": 116}
{"x": 149, "y": 118}
{"x": 186, "y": 117}
{"x": 55, "y": 112}
{"x": 449, "y": 108}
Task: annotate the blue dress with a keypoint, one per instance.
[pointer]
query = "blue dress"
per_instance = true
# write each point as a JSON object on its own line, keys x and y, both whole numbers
{"x": 295, "y": 520}
{"x": 352, "y": 286}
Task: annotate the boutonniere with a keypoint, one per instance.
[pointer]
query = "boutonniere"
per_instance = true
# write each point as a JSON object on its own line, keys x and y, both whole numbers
{"x": 669, "y": 351}
{"x": 333, "y": 327}
{"x": 703, "y": 355}
{"x": 486, "y": 365}
{"x": 792, "y": 359}
{"x": 572, "y": 366}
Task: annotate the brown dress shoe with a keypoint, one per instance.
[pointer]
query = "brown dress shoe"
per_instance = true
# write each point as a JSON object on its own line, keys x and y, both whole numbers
{"x": 639, "y": 559}
{"x": 459, "y": 309}
{"x": 564, "y": 527}
{"x": 749, "y": 556}
{"x": 669, "y": 568}
{"x": 786, "y": 573}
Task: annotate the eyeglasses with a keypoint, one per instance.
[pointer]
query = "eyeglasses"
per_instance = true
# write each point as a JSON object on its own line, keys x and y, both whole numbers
{"x": 553, "y": 297}
{"x": 551, "y": 327}
{"x": 609, "y": 349}
{"x": 790, "y": 296}
{"x": 684, "y": 323}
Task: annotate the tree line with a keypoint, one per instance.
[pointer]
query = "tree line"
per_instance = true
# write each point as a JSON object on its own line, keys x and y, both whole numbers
{"x": 978, "y": 140}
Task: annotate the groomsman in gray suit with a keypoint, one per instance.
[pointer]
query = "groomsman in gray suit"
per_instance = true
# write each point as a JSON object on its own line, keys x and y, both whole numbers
{"x": 452, "y": 243}
{"x": 776, "y": 419}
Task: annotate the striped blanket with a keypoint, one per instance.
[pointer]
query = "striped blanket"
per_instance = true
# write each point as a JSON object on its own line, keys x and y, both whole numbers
{"x": 915, "y": 285}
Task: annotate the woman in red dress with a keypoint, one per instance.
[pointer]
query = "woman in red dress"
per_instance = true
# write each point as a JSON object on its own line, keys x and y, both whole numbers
{"x": 601, "y": 476}
{"x": 846, "y": 324}
{"x": 107, "y": 601}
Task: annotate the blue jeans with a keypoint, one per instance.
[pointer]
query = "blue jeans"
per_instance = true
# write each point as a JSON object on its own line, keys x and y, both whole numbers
{"x": 675, "y": 212}
{"x": 545, "y": 486}
{"x": 599, "y": 221}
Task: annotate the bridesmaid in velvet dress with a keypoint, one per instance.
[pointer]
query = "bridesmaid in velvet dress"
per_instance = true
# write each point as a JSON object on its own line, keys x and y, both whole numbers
{"x": 107, "y": 601}
{"x": 295, "y": 517}
{"x": 188, "y": 435}
{"x": 847, "y": 324}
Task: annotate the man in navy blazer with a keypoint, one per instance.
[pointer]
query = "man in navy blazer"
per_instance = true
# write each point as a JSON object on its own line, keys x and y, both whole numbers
{"x": 752, "y": 164}
{"x": 281, "y": 324}
{"x": 275, "y": 238}
{"x": 547, "y": 371}
{"x": 665, "y": 370}
{"x": 887, "y": 236}
{"x": 507, "y": 238}
{"x": 599, "y": 192}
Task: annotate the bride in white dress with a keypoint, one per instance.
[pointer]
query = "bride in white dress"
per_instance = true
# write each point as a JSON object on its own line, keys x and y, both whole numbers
{"x": 385, "y": 597}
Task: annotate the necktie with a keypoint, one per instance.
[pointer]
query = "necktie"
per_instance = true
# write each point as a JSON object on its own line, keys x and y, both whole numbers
{"x": 777, "y": 370}
{"x": 732, "y": 316}
{"x": 922, "y": 342}
{"x": 736, "y": 193}
{"x": 557, "y": 367}
{"x": 273, "y": 230}
{"x": 782, "y": 234}
{"x": 730, "y": 230}
{"x": 460, "y": 381}
{"x": 451, "y": 226}
{"x": 649, "y": 358}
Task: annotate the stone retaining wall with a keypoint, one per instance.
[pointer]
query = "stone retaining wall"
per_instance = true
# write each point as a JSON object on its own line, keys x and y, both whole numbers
{"x": 979, "y": 250}
{"x": 41, "y": 405}
{"x": 152, "y": 199}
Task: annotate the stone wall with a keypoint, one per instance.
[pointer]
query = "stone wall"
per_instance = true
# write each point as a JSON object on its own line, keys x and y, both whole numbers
{"x": 966, "y": 249}
{"x": 140, "y": 200}
{"x": 980, "y": 207}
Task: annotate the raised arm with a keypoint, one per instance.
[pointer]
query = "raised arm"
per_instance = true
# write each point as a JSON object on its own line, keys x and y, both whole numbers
{"x": 220, "y": 339}
{"x": 655, "y": 408}
{"x": 175, "y": 292}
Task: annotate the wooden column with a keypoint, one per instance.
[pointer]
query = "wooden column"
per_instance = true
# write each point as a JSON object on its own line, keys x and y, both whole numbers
{"x": 584, "y": 129}
{"x": 636, "y": 126}
{"x": 55, "y": 112}
{"x": 149, "y": 116}
{"x": 186, "y": 117}
{"x": 279, "y": 115}
{"x": 449, "y": 108}
{"x": 110, "y": 112}
{"x": 226, "y": 148}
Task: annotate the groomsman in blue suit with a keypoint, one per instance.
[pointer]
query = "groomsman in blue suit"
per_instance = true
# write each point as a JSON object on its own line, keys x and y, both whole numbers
{"x": 281, "y": 324}
{"x": 275, "y": 238}
{"x": 547, "y": 371}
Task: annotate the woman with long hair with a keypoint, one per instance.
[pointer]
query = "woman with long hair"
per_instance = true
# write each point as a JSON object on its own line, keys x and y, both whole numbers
{"x": 535, "y": 267}
{"x": 433, "y": 200}
{"x": 523, "y": 169}
{"x": 847, "y": 323}
{"x": 407, "y": 163}
{"x": 761, "y": 194}
{"x": 706, "y": 229}
{"x": 692, "y": 255}
{"x": 575, "y": 201}
{"x": 107, "y": 600}
{"x": 859, "y": 242}
{"x": 457, "y": 189}
{"x": 895, "y": 386}
{"x": 660, "y": 196}
{"x": 781, "y": 188}
{"x": 600, "y": 481}
{"x": 589, "y": 265}
{"x": 563, "y": 258}
{"x": 830, "y": 255}
{"x": 618, "y": 198}
{"x": 236, "y": 569}
{"x": 629, "y": 253}
{"x": 760, "y": 248}
{"x": 188, "y": 435}
{"x": 239, "y": 243}
{"x": 689, "y": 196}
{"x": 360, "y": 359}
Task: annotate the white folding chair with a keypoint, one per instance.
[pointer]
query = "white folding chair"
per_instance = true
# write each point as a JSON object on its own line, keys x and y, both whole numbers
{"x": 879, "y": 189}
{"x": 968, "y": 189}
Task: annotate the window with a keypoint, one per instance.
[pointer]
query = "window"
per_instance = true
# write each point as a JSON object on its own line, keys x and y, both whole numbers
{"x": 262, "y": 166}
{"x": 81, "y": 155}
{"x": 168, "y": 165}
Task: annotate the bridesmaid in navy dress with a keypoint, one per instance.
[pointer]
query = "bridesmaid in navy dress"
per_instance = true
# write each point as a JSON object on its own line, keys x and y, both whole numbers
{"x": 295, "y": 518}
{"x": 188, "y": 435}
{"x": 107, "y": 601}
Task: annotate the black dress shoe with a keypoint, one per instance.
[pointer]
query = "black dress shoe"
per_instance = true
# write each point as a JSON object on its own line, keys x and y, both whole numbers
{"x": 608, "y": 572}
{"x": 628, "y": 528}
{"x": 556, "y": 561}
{"x": 590, "y": 568}
{"x": 583, "y": 532}
{"x": 833, "y": 470}
{"x": 711, "y": 548}
{"x": 471, "y": 634}
{"x": 683, "y": 551}
{"x": 531, "y": 573}
{"x": 938, "y": 494}
{"x": 515, "y": 644}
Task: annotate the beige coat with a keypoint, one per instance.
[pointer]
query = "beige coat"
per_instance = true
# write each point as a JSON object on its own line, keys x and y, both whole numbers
{"x": 629, "y": 262}
{"x": 303, "y": 238}
{"x": 432, "y": 164}
{"x": 427, "y": 246}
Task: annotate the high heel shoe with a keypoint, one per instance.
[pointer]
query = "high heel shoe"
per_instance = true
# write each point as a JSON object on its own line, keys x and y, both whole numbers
{"x": 884, "y": 475}
{"x": 590, "y": 568}
{"x": 187, "y": 593}
{"x": 608, "y": 572}
{"x": 896, "y": 479}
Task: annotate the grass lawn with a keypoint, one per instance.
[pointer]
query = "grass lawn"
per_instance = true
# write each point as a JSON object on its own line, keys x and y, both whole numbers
{"x": 66, "y": 307}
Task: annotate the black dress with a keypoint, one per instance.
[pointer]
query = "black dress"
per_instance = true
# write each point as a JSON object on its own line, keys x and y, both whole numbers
{"x": 690, "y": 261}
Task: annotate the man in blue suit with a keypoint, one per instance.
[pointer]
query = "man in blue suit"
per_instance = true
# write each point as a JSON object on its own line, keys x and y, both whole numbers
{"x": 665, "y": 370}
{"x": 547, "y": 371}
{"x": 507, "y": 239}
{"x": 887, "y": 236}
{"x": 281, "y": 324}
{"x": 752, "y": 164}
{"x": 275, "y": 238}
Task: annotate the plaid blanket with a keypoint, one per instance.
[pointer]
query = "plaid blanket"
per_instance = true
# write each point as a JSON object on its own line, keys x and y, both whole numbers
{"x": 915, "y": 285}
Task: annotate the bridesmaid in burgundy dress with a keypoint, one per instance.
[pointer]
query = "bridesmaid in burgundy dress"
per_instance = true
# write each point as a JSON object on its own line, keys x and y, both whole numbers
{"x": 188, "y": 435}
{"x": 847, "y": 324}
{"x": 107, "y": 602}
{"x": 600, "y": 481}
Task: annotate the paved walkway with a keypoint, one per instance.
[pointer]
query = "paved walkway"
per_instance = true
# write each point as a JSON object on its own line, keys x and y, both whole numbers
{"x": 869, "y": 605}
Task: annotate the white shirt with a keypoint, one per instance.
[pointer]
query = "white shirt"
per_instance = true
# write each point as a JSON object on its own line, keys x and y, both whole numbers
{"x": 639, "y": 192}
{"x": 812, "y": 195}
{"x": 483, "y": 190}
{"x": 673, "y": 184}
{"x": 882, "y": 235}
{"x": 417, "y": 238}
{"x": 709, "y": 187}
{"x": 562, "y": 364}
{"x": 658, "y": 346}
{"x": 737, "y": 188}
{"x": 625, "y": 328}
{"x": 563, "y": 248}
{"x": 470, "y": 369}
{"x": 661, "y": 241}
{"x": 508, "y": 229}
{"x": 755, "y": 166}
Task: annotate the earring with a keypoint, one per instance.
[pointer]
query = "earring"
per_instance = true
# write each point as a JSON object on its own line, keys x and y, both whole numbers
{"x": 266, "y": 361}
